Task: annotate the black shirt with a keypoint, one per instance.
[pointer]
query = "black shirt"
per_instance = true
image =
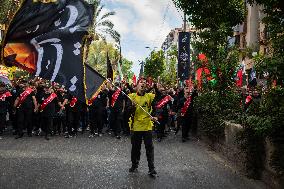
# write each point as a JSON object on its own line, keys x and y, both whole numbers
{"x": 100, "y": 101}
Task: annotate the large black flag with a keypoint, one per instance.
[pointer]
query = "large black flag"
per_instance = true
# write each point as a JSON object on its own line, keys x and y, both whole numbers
{"x": 94, "y": 80}
{"x": 47, "y": 40}
{"x": 184, "y": 55}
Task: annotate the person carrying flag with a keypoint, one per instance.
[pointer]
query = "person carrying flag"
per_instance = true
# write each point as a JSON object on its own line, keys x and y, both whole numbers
{"x": 141, "y": 127}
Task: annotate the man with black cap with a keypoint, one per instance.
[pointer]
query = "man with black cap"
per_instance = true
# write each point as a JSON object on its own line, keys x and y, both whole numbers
{"x": 25, "y": 104}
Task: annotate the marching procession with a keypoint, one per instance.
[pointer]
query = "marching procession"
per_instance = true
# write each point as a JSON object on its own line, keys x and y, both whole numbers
{"x": 37, "y": 107}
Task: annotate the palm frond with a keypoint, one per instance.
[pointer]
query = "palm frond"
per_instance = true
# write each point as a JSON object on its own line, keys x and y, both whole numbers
{"x": 106, "y": 15}
{"x": 99, "y": 10}
{"x": 106, "y": 23}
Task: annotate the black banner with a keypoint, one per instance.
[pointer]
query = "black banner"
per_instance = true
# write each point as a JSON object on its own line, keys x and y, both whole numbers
{"x": 93, "y": 81}
{"x": 52, "y": 36}
{"x": 184, "y": 55}
{"x": 109, "y": 69}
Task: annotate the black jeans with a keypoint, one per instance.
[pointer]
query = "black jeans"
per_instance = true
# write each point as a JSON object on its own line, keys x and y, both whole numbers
{"x": 161, "y": 127}
{"x": 96, "y": 121}
{"x": 185, "y": 126}
{"x": 2, "y": 122}
{"x": 24, "y": 120}
{"x": 73, "y": 122}
{"x": 116, "y": 119}
{"x": 136, "y": 141}
{"x": 46, "y": 124}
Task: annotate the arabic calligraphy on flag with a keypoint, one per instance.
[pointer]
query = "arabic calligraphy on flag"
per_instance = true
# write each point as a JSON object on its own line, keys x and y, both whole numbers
{"x": 46, "y": 39}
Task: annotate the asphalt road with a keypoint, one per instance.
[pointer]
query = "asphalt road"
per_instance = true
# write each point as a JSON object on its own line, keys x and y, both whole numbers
{"x": 103, "y": 162}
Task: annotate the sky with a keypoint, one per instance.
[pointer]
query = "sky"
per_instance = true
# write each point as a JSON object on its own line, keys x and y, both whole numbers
{"x": 142, "y": 23}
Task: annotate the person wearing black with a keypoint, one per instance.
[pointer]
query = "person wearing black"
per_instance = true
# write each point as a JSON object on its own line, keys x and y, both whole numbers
{"x": 73, "y": 117}
{"x": 36, "y": 116}
{"x": 84, "y": 117}
{"x": 185, "y": 112}
{"x": 161, "y": 113}
{"x": 117, "y": 110}
{"x": 4, "y": 103}
{"x": 47, "y": 106}
{"x": 127, "y": 114}
{"x": 26, "y": 104}
{"x": 60, "y": 114}
{"x": 97, "y": 111}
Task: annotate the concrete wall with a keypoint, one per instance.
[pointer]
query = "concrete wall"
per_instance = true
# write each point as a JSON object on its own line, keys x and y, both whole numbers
{"x": 234, "y": 154}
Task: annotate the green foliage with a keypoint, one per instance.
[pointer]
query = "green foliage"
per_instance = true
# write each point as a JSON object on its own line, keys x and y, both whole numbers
{"x": 155, "y": 64}
{"x": 8, "y": 8}
{"x": 213, "y": 13}
{"x": 98, "y": 55}
{"x": 102, "y": 25}
{"x": 213, "y": 109}
{"x": 265, "y": 118}
{"x": 126, "y": 68}
{"x": 169, "y": 75}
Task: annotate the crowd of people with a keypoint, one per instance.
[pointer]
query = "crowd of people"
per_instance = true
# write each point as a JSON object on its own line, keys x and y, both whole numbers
{"x": 36, "y": 107}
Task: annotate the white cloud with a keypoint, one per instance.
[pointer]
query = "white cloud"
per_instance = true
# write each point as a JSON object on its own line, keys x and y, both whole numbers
{"x": 134, "y": 57}
{"x": 142, "y": 23}
{"x": 147, "y": 22}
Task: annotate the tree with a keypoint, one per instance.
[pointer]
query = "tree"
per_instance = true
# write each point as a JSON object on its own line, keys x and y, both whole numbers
{"x": 126, "y": 67}
{"x": 97, "y": 55}
{"x": 212, "y": 34}
{"x": 8, "y": 9}
{"x": 155, "y": 64}
{"x": 169, "y": 75}
{"x": 101, "y": 27}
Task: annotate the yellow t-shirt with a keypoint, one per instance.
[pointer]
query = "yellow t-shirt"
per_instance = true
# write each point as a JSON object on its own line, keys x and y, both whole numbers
{"x": 142, "y": 121}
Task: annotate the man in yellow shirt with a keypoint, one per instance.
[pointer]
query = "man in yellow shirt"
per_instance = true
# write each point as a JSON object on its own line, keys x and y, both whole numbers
{"x": 141, "y": 126}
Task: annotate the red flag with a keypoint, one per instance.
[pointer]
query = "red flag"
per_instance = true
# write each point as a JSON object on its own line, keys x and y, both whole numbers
{"x": 202, "y": 57}
{"x": 239, "y": 82}
{"x": 134, "y": 79}
{"x": 248, "y": 99}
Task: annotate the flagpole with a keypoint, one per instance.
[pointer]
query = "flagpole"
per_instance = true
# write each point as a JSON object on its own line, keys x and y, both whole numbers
{"x": 134, "y": 102}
